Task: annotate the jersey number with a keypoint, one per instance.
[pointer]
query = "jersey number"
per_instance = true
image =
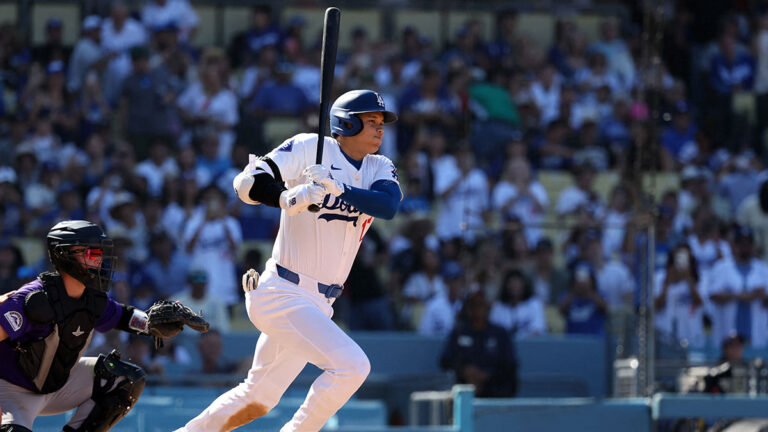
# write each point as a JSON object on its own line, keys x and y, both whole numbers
{"x": 365, "y": 225}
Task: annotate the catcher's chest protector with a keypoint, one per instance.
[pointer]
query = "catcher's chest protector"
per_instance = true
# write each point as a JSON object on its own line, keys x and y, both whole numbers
{"x": 47, "y": 362}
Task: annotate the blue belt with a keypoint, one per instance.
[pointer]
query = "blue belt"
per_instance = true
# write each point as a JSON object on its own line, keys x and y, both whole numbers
{"x": 329, "y": 291}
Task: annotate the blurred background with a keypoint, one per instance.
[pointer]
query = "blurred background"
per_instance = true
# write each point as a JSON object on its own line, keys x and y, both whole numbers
{"x": 585, "y": 178}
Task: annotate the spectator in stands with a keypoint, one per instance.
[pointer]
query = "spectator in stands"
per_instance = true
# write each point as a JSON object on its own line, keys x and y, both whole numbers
{"x": 545, "y": 92}
{"x": 87, "y": 53}
{"x": 210, "y": 348}
{"x": 552, "y": 150}
{"x": 733, "y": 363}
{"x": 581, "y": 196}
{"x": 705, "y": 240}
{"x": 549, "y": 281}
{"x": 583, "y": 307}
{"x": 212, "y": 237}
{"x": 208, "y": 105}
{"x": 481, "y": 353}
{"x": 679, "y": 139}
{"x": 68, "y": 206}
{"x": 247, "y": 46}
{"x": 279, "y": 96}
{"x": 440, "y": 311}
{"x": 167, "y": 266}
{"x": 370, "y": 305}
{"x": 139, "y": 352}
{"x": 517, "y": 309}
{"x": 464, "y": 195}
{"x": 427, "y": 104}
{"x": 598, "y": 76}
{"x": 519, "y": 195}
{"x": 614, "y": 280}
{"x": 737, "y": 287}
{"x": 125, "y": 215}
{"x": 738, "y": 180}
{"x": 145, "y": 98}
{"x": 406, "y": 249}
{"x": 195, "y": 295}
{"x": 502, "y": 48}
{"x": 53, "y": 49}
{"x": 616, "y": 51}
{"x": 729, "y": 74}
{"x": 119, "y": 33}
{"x": 157, "y": 13}
{"x": 159, "y": 166}
{"x": 617, "y": 216}
{"x": 11, "y": 266}
{"x": 678, "y": 299}
{"x": 421, "y": 286}
{"x": 753, "y": 213}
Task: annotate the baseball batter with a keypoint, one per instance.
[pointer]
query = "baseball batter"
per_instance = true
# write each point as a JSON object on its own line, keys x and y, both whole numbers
{"x": 312, "y": 256}
{"x": 46, "y": 325}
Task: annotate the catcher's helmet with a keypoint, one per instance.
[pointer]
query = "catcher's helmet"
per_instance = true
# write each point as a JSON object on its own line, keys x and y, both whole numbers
{"x": 344, "y": 119}
{"x": 70, "y": 233}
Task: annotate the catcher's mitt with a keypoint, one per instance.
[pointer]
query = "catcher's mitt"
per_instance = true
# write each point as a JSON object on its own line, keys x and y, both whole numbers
{"x": 166, "y": 319}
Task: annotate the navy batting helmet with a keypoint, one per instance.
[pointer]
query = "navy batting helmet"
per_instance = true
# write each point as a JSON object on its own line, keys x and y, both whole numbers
{"x": 344, "y": 119}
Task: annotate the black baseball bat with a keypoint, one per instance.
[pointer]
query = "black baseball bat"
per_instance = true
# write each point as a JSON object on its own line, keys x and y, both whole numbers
{"x": 327, "y": 67}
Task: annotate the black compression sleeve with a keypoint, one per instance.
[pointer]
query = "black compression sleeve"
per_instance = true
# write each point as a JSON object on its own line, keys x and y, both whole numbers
{"x": 266, "y": 190}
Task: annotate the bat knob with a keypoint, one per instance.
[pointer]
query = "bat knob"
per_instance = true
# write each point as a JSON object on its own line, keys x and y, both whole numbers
{"x": 314, "y": 208}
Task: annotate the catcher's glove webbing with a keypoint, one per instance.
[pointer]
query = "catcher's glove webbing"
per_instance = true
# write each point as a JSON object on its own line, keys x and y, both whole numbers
{"x": 167, "y": 318}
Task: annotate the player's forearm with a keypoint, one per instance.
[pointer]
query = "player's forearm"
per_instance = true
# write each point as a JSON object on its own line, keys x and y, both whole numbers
{"x": 378, "y": 203}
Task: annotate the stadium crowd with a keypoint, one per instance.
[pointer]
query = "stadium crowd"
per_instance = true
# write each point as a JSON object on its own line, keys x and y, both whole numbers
{"x": 141, "y": 130}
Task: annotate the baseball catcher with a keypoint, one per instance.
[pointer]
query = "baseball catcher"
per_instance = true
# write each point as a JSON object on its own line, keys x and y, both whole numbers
{"x": 47, "y": 324}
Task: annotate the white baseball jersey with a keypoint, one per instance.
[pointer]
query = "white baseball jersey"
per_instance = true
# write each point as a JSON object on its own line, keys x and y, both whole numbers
{"x": 323, "y": 245}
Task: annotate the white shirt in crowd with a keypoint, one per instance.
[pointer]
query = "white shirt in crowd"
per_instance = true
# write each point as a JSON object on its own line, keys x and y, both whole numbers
{"x": 726, "y": 278}
{"x": 679, "y": 318}
{"x": 120, "y": 42}
{"x": 156, "y": 175}
{"x": 439, "y": 316}
{"x": 571, "y": 198}
{"x": 613, "y": 232}
{"x": 213, "y": 253}
{"x": 524, "y": 208}
{"x": 221, "y": 107}
{"x": 461, "y": 212}
{"x": 547, "y": 100}
{"x": 708, "y": 252}
{"x": 615, "y": 283}
{"x": 179, "y": 12}
{"x": 422, "y": 287}
{"x": 525, "y": 319}
{"x": 214, "y": 311}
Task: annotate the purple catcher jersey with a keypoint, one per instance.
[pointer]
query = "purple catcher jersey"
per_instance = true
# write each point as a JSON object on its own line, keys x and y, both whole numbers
{"x": 20, "y": 330}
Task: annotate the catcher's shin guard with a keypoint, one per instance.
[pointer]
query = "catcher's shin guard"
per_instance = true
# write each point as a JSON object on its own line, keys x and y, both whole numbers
{"x": 112, "y": 404}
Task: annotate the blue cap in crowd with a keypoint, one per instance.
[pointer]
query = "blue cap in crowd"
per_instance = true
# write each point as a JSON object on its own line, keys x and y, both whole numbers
{"x": 54, "y": 23}
{"x": 55, "y": 67}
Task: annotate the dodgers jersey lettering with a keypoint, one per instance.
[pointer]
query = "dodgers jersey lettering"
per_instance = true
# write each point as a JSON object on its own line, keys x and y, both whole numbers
{"x": 323, "y": 245}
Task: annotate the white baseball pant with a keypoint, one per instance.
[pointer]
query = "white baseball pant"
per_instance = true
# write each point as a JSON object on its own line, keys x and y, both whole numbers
{"x": 295, "y": 321}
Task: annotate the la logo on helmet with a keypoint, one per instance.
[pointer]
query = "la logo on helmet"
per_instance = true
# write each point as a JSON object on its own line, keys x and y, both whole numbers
{"x": 379, "y": 100}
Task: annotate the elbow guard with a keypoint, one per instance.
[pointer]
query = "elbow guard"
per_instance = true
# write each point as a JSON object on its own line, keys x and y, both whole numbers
{"x": 243, "y": 183}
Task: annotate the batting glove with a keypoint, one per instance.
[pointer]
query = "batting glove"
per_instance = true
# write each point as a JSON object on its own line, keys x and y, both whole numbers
{"x": 250, "y": 280}
{"x": 320, "y": 174}
{"x": 298, "y": 198}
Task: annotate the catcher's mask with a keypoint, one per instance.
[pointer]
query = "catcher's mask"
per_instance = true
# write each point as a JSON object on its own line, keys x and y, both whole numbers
{"x": 82, "y": 250}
